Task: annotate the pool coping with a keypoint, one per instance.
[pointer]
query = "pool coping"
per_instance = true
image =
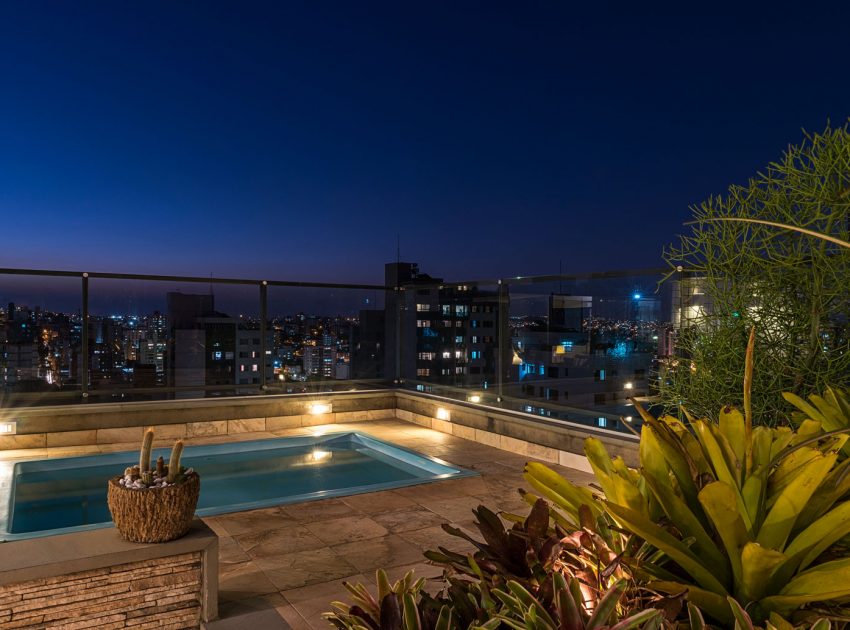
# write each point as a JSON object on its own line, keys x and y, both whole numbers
{"x": 375, "y": 444}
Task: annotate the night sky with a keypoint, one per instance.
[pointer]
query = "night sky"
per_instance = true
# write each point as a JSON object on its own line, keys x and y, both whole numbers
{"x": 295, "y": 141}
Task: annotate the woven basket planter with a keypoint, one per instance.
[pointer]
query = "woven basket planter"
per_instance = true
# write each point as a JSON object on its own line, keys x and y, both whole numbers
{"x": 153, "y": 515}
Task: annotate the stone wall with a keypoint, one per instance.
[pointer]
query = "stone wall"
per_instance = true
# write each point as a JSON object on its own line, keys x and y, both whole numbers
{"x": 92, "y": 425}
{"x": 550, "y": 440}
{"x": 163, "y": 593}
{"x": 95, "y": 579}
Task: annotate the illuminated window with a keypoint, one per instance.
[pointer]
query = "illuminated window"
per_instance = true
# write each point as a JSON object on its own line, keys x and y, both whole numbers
{"x": 423, "y": 372}
{"x": 423, "y": 323}
{"x": 423, "y": 307}
{"x": 475, "y": 354}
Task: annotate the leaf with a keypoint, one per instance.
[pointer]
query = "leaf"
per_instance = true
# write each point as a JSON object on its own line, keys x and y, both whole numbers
{"x": 821, "y": 534}
{"x": 537, "y": 523}
{"x": 827, "y": 581}
{"x": 721, "y": 468}
{"x": 565, "y": 605}
{"x": 679, "y": 514}
{"x": 411, "y": 613}
{"x": 606, "y": 606}
{"x": 758, "y": 564}
{"x": 674, "y": 548}
{"x": 742, "y": 619}
{"x": 638, "y": 619}
{"x": 780, "y": 519}
{"x": 444, "y": 620}
{"x": 390, "y": 613}
{"x": 718, "y": 501}
{"x": 695, "y": 620}
{"x": 711, "y": 603}
{"x": 731, "y": 424}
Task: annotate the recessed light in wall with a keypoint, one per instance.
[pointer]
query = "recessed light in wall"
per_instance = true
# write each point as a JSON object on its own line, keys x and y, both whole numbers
{"x": 8, "y": 428}
{"x": 474, "y": 398}
{"x": 317, "y": 409}
{"x": 443, "y": 414}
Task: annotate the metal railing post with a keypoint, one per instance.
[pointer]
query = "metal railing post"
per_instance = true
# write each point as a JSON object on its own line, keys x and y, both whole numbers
{"x": 502, "y": 332}
{"x": 84, "y": 368}
{"x": 264, "y": 304}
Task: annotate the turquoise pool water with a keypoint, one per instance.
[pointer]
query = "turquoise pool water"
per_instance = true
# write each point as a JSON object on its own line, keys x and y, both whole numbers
{"x": 60, "y": 495}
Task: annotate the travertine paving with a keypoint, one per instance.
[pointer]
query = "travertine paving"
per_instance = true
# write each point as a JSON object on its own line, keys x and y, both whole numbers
{"x": 293, "y": 559}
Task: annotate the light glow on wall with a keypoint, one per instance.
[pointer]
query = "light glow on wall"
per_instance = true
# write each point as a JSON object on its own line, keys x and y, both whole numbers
{"x": 443, "y": 414}
{"x": 8, "y": 428}
{"x": 317, "y": 409}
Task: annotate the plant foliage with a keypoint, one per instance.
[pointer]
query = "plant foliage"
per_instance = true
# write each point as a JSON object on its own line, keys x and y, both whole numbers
{"x": 740, "y": 270}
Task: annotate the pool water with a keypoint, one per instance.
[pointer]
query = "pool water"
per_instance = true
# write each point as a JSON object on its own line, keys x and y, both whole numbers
{"x": 61, "y": 495}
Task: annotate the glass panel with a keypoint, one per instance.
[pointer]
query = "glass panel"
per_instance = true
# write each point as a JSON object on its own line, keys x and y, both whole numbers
{"x": 325, "y": 339}
{"x": 201, "y": 339}
{"x": 450, "y": 339}
{"x": 40, "y": 340}
{"x": 581, "y": 349}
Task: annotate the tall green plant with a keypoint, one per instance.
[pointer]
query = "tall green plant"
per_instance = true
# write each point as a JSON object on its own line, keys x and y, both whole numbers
{"x": 792, "y": 283}
{"x": 737, "y": 513}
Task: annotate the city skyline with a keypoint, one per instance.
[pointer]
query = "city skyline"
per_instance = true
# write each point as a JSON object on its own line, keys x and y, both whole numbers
{"x": 307, "y": 142}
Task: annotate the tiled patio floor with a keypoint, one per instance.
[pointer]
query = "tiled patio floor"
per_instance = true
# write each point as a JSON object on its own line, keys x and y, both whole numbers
{"x": 293, "y": 559}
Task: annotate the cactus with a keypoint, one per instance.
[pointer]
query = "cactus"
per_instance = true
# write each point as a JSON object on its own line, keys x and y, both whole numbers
{"x": 145, "y": 455}
{"x": 160, "y": 467}
{"x": 174, "y": 462}
{"x": 147, "y": 478}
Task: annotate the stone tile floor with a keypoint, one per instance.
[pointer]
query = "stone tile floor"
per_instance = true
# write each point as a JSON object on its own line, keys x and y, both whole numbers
{"x": 290, "y": 561}
{"x": 294, "y": 558}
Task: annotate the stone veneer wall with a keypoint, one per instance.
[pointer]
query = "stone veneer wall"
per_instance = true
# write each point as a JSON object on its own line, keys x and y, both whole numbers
{"x": 96, "y": 579}
{"x": 162, "y": 593}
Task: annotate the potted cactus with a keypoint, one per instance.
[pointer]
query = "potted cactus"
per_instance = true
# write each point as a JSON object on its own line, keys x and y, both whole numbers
{"x": 154, "y": 504}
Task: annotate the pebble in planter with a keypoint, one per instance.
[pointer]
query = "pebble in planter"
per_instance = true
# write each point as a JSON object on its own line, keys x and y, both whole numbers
{"x": 154, "y": 505}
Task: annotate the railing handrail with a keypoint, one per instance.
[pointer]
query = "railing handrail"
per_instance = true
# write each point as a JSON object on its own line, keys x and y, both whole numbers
{"x": 193, "y": 279}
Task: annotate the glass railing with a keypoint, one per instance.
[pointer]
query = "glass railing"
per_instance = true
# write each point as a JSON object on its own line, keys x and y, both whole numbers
{"x": 574, "y": 348}
{"x": 568, "y": 348}
{"x": 68, "y": 337}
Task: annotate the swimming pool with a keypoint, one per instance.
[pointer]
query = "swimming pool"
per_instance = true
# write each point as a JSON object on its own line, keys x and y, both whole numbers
{"x": 53, "y": 496}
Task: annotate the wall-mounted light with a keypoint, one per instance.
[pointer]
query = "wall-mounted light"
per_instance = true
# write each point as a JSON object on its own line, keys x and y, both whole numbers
{"x": 443, "y": 414}
{"x": 628, "y": 418}
{"x": 8, "y": 428}
{"x": 474, "y": 398}
{"x": 317, "y": 409}
{"x": 628, "y": 386}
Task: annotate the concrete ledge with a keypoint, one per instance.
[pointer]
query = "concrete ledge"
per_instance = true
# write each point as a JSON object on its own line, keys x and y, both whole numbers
{"x": 555, "y": 441}
{"x": 91, "y": 425}
{"x": 58, "y": 557}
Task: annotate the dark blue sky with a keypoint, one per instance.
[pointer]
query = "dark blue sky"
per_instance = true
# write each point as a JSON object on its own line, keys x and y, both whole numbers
{"x": 294, "y": 141}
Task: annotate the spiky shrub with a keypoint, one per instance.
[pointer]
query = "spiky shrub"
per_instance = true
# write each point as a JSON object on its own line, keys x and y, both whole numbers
{"x": 733, "y": 511}
{"x": 792, "y": 283}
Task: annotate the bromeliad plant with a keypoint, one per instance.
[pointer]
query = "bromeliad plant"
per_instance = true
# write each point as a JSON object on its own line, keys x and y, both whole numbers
{"x": 732, "y": 511}
{"x": 529, "y": 575}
